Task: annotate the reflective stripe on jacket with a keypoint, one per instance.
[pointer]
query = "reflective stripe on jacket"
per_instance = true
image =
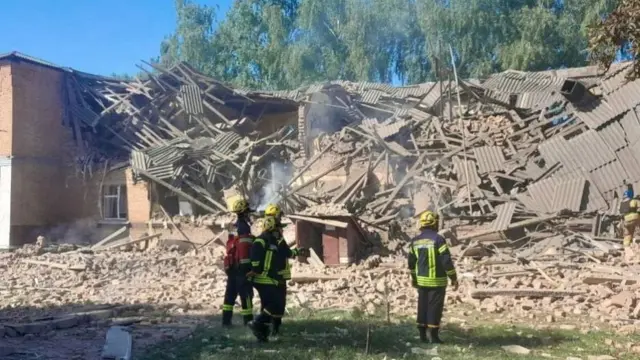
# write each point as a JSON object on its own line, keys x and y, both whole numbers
{"x": 633, "y": 214}
{"x": 430, "y": 261}
{"x": 262, "y": 254}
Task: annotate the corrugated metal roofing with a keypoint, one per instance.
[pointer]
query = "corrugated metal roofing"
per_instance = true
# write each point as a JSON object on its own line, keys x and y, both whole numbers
{"x": 596, "y": 116}
{"x": 418, "y": 114}
{"x": 609, "y": 176}
{"x": 490, "y": 158}
{"x": 224, "y": 143}
{"x": 529, "y": 202}
{"x": 616, "y": 103}
{"x": 371, "y": 96}
{"x": 192, "y": 99}
{"x": 589, "y": 151}
{"x": 504, "y": 214}
{"x": 383, "y": 130}
{"x": 139, "y": 160}
{"x": 613, "y": 135}
{"x": 568, "y": 194}
{"x": 557, "y": 149}
{"x": 162, "y": 171}
{"x": 631, "y": 126}
{"x": 542, "y": 193}
{"x": 630, "y": 160}
{"x": 615, "y": 79}
{"x": 459, "y": 168}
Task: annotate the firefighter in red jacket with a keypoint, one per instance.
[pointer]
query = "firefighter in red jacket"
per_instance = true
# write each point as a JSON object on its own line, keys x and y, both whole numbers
{"x": 287, "y": 253}
{"x": 237, "y": 264}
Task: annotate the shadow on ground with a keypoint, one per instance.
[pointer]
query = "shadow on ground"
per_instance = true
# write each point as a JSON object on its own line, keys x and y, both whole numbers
{"x": 336, "y": 337}
{"x": 170, "y": 332}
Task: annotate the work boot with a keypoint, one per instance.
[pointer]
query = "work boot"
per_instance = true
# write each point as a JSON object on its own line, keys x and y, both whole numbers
{"x": 423, "y": 334}
{"x": 226, "y": 318}
{"x": 433, "y": 336}
{"x": 259, "y": 330}
{"x": 276, "y": 326}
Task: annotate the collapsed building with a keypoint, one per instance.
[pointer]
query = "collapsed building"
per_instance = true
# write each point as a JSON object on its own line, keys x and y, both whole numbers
{"x": 520, "y": 155}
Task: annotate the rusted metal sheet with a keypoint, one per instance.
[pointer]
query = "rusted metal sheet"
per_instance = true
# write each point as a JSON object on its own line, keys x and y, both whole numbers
{"x": 192, "y": 99}
{"x": 613, "y": 135}
{"x": 631, "y": 126}
{"x": 504, "y": 214}
{"x": 489, "y": 158}
{"x": 568, "y": 194}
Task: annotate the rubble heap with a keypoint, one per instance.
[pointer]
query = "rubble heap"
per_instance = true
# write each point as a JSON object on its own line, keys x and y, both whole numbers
{"x": 503, "y": 152}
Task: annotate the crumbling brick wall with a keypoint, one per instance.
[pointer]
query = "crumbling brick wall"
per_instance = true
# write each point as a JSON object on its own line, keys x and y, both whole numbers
{"x": 45, "y": 190}
{"x": 138, "y": 202}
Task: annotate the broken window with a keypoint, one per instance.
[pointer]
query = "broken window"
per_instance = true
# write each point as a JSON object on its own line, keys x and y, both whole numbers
{"x": 114, "y": 202}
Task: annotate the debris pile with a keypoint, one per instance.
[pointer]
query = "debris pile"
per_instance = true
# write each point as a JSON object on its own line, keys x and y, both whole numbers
{"x": 509, "y": 153}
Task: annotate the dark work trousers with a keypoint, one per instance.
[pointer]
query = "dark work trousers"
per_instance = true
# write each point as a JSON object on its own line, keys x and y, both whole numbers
{"x": 270, "y": 303}
{"x": 430, "y": 306}
{"x": 282, "y": 302}
{"x": 237, "y": 285}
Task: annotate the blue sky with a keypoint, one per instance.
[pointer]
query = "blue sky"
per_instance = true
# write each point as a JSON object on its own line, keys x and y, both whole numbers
{"x": 95, "y": 36}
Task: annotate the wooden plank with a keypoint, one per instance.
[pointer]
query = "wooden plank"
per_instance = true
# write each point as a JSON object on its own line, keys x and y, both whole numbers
{"x": 109, "y": 238}
{"x": 340, "y": 224}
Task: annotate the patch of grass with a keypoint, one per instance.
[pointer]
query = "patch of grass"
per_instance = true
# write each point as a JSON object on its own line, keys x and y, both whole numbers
{"x": 342, "y": 336}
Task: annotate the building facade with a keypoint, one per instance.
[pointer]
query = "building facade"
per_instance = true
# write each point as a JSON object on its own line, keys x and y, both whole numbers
{"x": 40, "y": 185}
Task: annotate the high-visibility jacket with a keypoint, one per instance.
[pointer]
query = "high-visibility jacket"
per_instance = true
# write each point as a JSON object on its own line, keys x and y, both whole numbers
{"x": 632, "y": 213}
{"x": 264, "y": 252}
{"x": 430, "y": 260}
{"x": 284, "y": 254}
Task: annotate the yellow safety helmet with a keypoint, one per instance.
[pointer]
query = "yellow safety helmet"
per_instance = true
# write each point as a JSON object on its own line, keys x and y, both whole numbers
{"x": 428, "y": 219}
{"x": 238, "y": 205}
{"x": 272, "y": 210}
{"x": 269, "y": 223}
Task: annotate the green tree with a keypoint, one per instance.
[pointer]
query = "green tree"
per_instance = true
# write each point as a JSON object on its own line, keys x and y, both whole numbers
{"x": 617, "y": 33}
{"x": 282, "y": 44}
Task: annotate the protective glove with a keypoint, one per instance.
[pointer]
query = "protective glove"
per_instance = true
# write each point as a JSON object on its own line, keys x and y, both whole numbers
{"x": 251, "y": 274}
{"x": 304, "y": 252}
{"x": 455, "y": 284}
{"x": 414, "y": 281}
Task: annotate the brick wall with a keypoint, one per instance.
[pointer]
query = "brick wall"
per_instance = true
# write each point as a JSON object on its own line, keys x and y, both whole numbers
{"x": 138, "y": 202}
{"x": 6, "y": 108}
{"x": 46, "y": 190}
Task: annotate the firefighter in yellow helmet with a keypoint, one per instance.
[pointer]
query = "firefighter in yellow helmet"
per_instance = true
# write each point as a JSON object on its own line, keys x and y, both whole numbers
{"x": 237, "y": 264}
{"x": 430, "y": 264}
{"x": 631, "y": 220}
{"x": 273, "y": 210}
{"x": 265, "y": 277}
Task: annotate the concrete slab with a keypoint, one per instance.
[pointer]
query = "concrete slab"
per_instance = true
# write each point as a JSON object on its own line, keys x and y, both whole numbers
{"x": 118, "y": 344}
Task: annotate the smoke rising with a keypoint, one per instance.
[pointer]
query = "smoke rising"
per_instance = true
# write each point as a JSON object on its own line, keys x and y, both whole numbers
{"x": 281, "y": 174}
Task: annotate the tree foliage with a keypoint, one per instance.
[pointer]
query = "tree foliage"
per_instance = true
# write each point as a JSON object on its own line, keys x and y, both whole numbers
{"x": 618, "y": 32}
{"x": 282, "y": 44}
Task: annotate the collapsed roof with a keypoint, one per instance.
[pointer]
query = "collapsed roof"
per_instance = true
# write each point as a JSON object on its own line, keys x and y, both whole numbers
{"x": 517, "y": 144}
